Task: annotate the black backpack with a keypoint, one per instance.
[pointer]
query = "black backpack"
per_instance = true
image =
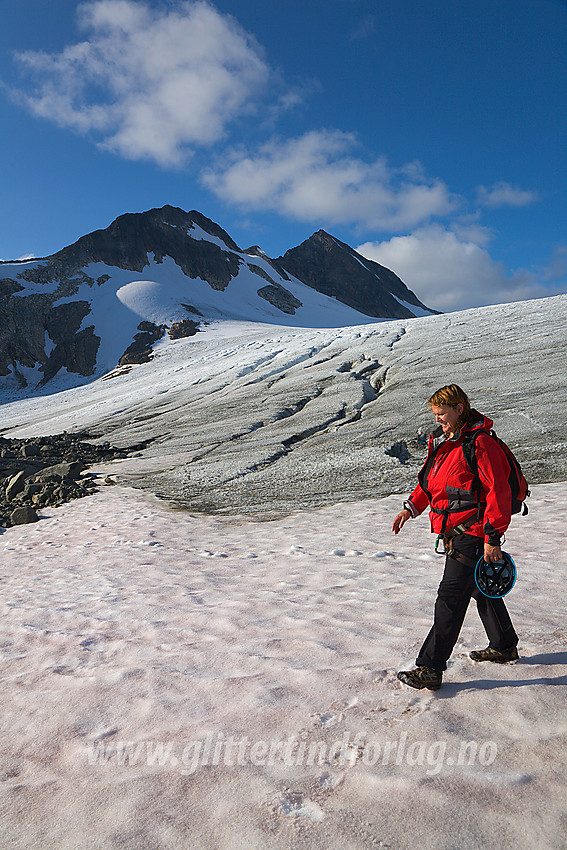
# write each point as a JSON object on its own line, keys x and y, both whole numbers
{"x": 516, "y": 479}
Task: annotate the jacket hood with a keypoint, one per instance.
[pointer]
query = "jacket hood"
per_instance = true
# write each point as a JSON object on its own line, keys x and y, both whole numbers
{"x": 478, "y": 422}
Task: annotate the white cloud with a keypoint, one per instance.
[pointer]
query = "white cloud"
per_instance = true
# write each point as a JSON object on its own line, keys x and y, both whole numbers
{"x": 451, "y": 273}
{"x": 315, "y": 178}
{"x": 469, "y": 229}
{"x": 155, "y": 83}
{"x": 502, "y": 194}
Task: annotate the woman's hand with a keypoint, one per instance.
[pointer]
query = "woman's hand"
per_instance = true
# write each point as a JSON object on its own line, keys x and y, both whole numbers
{"x": 400, "y": 521}
{"x": 492, "y": 554}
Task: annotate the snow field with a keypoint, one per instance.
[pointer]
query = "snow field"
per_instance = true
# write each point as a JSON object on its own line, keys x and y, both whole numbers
{"x": 175, "y": 680}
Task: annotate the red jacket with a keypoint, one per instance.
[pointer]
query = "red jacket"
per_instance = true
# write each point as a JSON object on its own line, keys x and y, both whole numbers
{"x": 446, "y": 484}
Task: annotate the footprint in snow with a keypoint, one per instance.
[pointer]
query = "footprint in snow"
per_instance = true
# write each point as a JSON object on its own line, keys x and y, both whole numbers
{"x": 295, "y": 804}
{"x": 328, "y": 781}
{"x": 416, "y": 706}
{"x": 329, "y": 719}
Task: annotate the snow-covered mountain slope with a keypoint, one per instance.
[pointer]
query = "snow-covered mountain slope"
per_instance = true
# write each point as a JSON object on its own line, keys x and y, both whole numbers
{"x": 108, "y": 298}
{"x": 257, "y": 418}
{"x": 117, "y": 308}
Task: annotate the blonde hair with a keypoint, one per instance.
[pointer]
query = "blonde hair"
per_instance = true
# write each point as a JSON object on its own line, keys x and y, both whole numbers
{"x": 452, "y": 395}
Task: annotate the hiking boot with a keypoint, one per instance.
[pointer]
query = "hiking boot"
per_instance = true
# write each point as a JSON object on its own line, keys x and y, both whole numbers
{"x": 421, "y": 677}
{"x": 500, "y": 656}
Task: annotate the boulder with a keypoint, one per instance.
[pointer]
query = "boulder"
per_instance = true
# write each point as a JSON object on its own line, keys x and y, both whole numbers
{"x": 30, "y": 450}
{"x": 23, "y": 515}
{"x": 15, "y": 485}
{"x": 67, "y": 469}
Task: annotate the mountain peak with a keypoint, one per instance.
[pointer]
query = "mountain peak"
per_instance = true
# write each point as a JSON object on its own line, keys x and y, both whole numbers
{"x": 79, "y": 311}
{"x": 126, "y": 243}
{"x": 334, "y": 268}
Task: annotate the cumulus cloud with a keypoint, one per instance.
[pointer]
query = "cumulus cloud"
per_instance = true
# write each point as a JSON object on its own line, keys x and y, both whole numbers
{"x": 448, "y": 272}
{"x": 156, "y": 83}
{"x": 469, "y": 229}
{"x": 316, "y": 178}
{"x": 502, "y": 194}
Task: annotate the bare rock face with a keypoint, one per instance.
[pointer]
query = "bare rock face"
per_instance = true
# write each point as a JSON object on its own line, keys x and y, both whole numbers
{"x": 162, "y": 232}
{"x": 141, "y": 351}
{"x": 75, "y": 349}
{"x": 183, "y": 329}
{"x": 335, "y": 269}
{"x": 280, "y": 297}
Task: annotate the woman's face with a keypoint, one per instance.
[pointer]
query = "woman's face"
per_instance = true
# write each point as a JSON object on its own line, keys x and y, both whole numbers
{"x": 447, "y": 417}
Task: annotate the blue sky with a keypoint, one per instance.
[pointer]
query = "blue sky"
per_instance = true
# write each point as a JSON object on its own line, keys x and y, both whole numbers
{"x": 431, "y": 136}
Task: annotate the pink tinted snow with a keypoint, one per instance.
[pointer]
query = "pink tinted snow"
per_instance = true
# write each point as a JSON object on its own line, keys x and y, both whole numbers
{"x": 173, "y": 680}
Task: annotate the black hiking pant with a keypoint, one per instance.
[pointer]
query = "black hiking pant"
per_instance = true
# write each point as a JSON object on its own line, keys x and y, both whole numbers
{"x": 453, "y": 597}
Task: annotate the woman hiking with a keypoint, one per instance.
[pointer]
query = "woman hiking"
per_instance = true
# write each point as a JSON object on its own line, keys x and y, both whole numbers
{"x": 471, "y": 524}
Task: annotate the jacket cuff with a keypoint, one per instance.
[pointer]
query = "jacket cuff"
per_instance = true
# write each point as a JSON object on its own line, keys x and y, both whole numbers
{"x": 494, "y": 539}
{"x": 409, "y": 506}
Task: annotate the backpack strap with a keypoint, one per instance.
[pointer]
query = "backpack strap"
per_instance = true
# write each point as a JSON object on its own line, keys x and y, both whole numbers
{"x": 469, "y": 452}
{"x": 468, "y": 446}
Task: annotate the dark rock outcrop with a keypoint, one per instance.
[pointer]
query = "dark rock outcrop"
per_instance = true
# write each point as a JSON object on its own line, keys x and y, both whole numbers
{"x": 280, "y": 297}
{"x": 399, "y": 450}
{"x": 141, "y": 351}
{"x": 46, "y": 472}
{"x": 183, "y": 329}
{"x": 335, "y": 269}
{"x": 24, "y": 323}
